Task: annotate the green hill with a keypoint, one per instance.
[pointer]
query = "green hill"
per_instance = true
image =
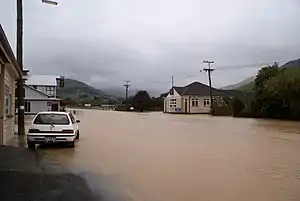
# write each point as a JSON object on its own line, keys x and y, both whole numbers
{"x": 79, "y": 91}
{"x": 248, "y": 84}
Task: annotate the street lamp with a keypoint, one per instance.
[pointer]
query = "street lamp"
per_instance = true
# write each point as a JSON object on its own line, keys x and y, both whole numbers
{"x": 50, "y": 2}
{"x": 20, "y": 84}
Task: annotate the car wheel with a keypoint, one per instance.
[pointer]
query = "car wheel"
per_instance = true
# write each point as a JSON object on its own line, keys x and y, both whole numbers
{"x": 77, "y": 135}
{"x": 31, "y": 145}
{"x": 72, "y": 144}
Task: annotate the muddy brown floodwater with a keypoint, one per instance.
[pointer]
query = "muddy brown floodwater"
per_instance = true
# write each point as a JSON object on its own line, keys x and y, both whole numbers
{"x": 162, "y": 157}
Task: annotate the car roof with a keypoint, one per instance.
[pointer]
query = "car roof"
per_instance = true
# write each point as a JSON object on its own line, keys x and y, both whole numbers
{"x": 52, "y": 112}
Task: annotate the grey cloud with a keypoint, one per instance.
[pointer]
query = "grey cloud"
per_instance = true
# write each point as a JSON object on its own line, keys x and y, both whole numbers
{"x": 105, "y": 42}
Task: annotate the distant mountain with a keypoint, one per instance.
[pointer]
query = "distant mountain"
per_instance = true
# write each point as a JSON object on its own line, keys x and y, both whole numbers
{"x": 77, "y": 90}
{"x": 239, "y": 84}
{"x": 116, "y": 92}
{"x": 248, "y": 84}
{"x": 292, "y": 64}
{"x": 120, "y": 92}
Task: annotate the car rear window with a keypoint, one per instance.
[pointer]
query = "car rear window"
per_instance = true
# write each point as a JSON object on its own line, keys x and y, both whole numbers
{"x": 58, "y": 119}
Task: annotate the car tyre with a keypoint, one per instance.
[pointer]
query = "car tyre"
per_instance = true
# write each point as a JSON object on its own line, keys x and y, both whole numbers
{"x": 31, "y": 145}
{"x": 72, "y": 144}
{"x": 77, "y": 135}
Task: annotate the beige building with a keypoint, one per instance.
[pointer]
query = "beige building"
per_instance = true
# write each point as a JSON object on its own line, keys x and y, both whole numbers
{"x": 9, "y": 73}
{"x": 191, "y": 99}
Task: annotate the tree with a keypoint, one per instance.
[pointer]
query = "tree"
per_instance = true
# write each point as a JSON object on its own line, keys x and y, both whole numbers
{"x": 260, "y": 88}
{"x": 237, "y": 106}
{"x": 277, "y": 92}
{"x": 262, "y": 76}
{"x": 141, "y": 100}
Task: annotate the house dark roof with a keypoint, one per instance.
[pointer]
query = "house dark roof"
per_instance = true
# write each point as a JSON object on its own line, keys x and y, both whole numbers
{"x": 179, "y": 90}
{"x": 197, "y": 88}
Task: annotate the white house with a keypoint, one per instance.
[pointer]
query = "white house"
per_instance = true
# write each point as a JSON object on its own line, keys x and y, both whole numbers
{"x": 191, "y": 99}
{"x": 40, "y": 93}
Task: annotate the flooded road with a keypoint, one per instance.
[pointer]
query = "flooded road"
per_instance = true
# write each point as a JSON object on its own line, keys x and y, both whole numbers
{"x": 161, "y": 157}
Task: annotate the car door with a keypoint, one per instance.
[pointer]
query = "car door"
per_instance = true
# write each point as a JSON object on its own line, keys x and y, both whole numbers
{"x": 74, "y": 124}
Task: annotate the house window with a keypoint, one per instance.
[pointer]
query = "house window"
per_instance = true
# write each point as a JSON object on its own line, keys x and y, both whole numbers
{"x": 206, "y": 102}
{"x": 7, "y": 102}
{"x": 172, "y": 103}
{"x": 50, "y": 91}
{"x": 195, "y": 102}
{"x": 27, "y": 106}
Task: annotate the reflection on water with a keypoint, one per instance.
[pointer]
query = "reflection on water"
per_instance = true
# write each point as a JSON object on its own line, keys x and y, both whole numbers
{"x": 161, "y": 157}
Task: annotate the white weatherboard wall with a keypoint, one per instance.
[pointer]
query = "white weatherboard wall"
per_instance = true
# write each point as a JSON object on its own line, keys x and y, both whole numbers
{"x": 38, "y": 106}
{"x": 9, "y": 84}
{"x": 43, "y": 89}
{"x": 178, "y": 108}
{"x": 33, "y": 94}
{"x": 200, "y": 108}
{"x": 32, "y": 97}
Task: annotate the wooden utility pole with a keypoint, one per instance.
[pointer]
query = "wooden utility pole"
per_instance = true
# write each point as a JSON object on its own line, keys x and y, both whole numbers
{"x": 20, "y": 85}
{"x": 126, "y": 85}
{"x": 20, "y": 88}
{"x": 209, "y": 70}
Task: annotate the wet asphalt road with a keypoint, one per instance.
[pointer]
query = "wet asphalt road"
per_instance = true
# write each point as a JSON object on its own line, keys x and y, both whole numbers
{"x": 162, "y": 157}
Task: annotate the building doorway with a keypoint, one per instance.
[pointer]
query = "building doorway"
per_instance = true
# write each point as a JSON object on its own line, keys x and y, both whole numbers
{"x": 54, "y": 107}
{"x": 185, "y": 106}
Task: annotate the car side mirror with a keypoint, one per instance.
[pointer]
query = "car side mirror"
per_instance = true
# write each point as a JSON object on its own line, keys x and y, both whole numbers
{"x": 77, "y": 121}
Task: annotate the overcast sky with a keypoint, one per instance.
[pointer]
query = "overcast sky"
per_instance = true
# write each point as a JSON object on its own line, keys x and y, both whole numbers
{"x": 104, "y": 42}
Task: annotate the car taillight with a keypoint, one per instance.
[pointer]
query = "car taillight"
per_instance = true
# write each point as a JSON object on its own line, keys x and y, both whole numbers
{"x": 31, "y": 130}
{"x": 67, "y": 131}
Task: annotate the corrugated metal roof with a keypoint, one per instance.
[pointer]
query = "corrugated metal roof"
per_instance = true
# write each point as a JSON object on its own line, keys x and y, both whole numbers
{"x": 41, "y": 80}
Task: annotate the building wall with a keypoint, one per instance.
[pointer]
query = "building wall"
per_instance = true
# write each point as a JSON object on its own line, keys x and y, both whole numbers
{"x": 1, "y": 101}
{"x": 9, "y": 120}
{"x": 43, "y": 89}
{"x": 169, "y": 99}
{"x": 38, "y": 106}
{"x": 32, "y": 94}
{"x": 200, "y": 108}
{"x": 185, "y": 103}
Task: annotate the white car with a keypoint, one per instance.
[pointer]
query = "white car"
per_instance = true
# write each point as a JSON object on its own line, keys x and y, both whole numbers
{"x": 53, "y": 127}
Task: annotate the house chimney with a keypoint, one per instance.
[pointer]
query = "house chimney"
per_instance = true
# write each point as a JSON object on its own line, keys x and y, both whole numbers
{"x": 61, "y": 81}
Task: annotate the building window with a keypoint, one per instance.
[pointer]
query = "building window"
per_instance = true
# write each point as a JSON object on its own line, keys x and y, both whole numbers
{"x": 50, "y": 91}
{"x": 27, "y": 106}
{"x": 195, "y": 102}
{"x": 7, "y": 102}
{"x": 206, "y": 102}
{"x": 172, "y": 103}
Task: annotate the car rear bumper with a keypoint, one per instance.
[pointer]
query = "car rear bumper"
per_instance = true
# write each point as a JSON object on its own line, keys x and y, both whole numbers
{"x": 38, "y": 138}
